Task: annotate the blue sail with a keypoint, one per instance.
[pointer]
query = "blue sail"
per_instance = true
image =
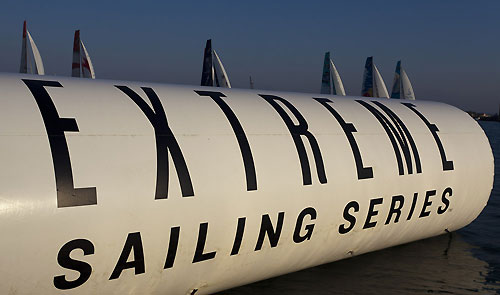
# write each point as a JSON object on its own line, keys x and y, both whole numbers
{"x": 402, "y": 89}
{"x": 326, "y": 87}
{"x": 207, "y": 75}
{"x": 367, "y": 87}
{"x": 396, "y": 86}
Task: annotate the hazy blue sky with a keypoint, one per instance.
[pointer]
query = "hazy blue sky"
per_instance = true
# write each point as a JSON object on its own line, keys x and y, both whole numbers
{"x": 450, "y": 49}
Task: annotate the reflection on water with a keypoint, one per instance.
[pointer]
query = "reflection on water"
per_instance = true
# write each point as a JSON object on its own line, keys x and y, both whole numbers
{"x": 464, "y": 262}
{"x": 442, "y": 264}
{"x": 484, "y": 232}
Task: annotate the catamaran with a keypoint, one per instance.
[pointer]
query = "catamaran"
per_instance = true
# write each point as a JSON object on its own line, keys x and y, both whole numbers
{"x": 373, "y": 84}
{"x": 213, "y": 73}
{"x": 82, "y": 65}
{"x": 27, "y": 65}
{"x": 330, "y": 80}
{"x": 401, "y": 88}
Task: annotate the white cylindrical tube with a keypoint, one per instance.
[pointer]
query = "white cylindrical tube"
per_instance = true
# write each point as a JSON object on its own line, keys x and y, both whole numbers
{"x": 117, "y": 187}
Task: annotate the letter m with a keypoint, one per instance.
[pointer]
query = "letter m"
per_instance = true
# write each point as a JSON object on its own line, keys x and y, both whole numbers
{"x": 401, "y": 139}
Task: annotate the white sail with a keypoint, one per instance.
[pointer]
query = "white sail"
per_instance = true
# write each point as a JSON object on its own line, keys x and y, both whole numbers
{"x": 87, "y": 67}
{"x": 26, "y": 61}
{"x": 379, "y": 89}
{"x": 406, "y": 88}
{"x": 36, "y": 56}
{"x": 338, "y": 86}
{"x": 223, "y": 79}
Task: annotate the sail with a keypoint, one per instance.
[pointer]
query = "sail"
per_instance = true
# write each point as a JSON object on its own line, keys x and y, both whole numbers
{"x": 367, "y": 86}
{"x": 39, "y": 70}
{"x": 24, "y": 52}
{"x": 379, "y": 89}
{"x": 337, "y": 85}
{"x": 215, "y": 75}
{"x": 221, "y": 75}
{"x": 251, "y": 82}
{"x": 82, "y": 65}
{"x": 208, "y": 73}
{"x": 406, "y": 87}
{"x": 326, "y": 87}
{"x": 402, "y": 87}
{"x": 87, "y": 67}
{"x": 26, "y": 65}
{"x": 396, "y": 85}
{"x": 75, "y": 66}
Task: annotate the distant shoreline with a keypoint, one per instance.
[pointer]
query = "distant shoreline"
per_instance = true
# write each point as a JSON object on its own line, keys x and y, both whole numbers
{"x": 484, "y": 116}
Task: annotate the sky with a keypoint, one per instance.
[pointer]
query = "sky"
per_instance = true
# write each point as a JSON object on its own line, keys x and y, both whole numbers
{"x": 449, "y": 49}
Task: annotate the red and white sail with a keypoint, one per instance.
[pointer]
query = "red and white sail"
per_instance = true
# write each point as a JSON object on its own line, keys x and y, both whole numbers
{"x": 82, "y": 65}
{"x": 27, "y": 65}
{"x": 75, "y": 66}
